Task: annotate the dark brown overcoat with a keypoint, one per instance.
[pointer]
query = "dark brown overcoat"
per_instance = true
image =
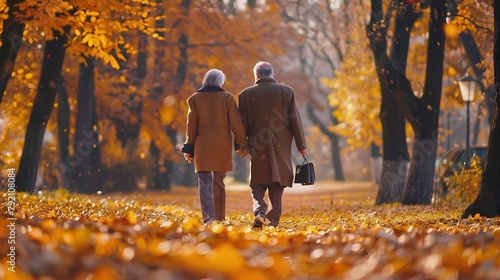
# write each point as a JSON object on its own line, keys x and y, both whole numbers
{"x": 212, "y": 115}
{"x": 272, "y": 120}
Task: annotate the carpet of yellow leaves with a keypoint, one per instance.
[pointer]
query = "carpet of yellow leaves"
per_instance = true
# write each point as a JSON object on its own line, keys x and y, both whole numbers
{"x": 322, "y": 235}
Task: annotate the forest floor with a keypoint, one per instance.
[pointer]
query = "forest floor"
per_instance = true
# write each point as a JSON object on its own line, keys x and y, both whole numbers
{"x": 331, "y": 230}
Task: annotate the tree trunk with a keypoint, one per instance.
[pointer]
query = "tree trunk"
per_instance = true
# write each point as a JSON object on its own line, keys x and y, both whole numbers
{"x": 395, "y": 150}
{"x": 336, "y": 163}
{"x": 334, "y": 143}
{"x": 170, "y": 165}
{"x": 395, "y": 153}
{"x": 180, "y": 78}
{"x": 12, "y": 35}
{"x": 487, "y": 203}
{"x": 164, "y": 170}
{"x": 392, "y": 181}
{"x": 86, "y": 143}
{"x": 420, "y": 183}
{"x": 158, "y": 182}
{"x": 42, "y": 108}
{"x": 63, "y": 116}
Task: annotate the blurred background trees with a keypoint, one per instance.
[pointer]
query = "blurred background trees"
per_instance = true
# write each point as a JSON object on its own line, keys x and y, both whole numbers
{"x": 113, "y": 115}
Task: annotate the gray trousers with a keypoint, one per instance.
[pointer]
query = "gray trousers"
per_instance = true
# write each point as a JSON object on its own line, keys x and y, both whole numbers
{"x": 275, "y": 194}
{"x": 212, "y": 193}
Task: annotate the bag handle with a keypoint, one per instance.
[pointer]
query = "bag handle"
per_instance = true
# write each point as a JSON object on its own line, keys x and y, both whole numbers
{"x": 305, "y": 161}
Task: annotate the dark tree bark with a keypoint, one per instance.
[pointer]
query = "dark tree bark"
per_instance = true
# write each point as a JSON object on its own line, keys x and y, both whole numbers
{"x": 421, "y": 113}
{"x": 42, "y": 108}
{"x": 12, "y": 35}
{"x": 487, "y": 203}
{"x": 425, "y": 121}
{"x": 63, "y": 116}
{"x": 395, "y": 150}
{"x": 395, "y": 153}
{"x": 86, "y": 145}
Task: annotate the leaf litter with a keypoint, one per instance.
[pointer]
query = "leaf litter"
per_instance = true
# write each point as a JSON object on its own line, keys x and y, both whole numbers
{"x": 69, "y": 236}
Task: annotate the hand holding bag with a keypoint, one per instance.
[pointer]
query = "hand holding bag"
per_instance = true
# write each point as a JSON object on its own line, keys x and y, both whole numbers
{"x": 304, "y": 173}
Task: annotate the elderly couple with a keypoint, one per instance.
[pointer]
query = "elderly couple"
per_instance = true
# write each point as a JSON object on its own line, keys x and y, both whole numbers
{"x": 264, "y": 124}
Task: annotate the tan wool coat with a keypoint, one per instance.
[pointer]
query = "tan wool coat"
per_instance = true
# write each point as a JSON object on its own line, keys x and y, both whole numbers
{"x": 272, "y": 120}
{"x": 212, "y": 115}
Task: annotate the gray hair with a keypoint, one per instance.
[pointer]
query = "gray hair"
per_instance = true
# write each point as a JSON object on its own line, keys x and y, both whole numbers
{"x": 263, "y": 69}
{"x": 214, "y": 78}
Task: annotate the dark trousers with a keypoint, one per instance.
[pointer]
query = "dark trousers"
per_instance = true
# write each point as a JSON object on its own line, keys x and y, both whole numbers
{"x": 212, "y": 193}
{"x": 275, "y": 194}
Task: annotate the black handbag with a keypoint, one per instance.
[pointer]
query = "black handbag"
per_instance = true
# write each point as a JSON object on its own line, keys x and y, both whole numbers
{"x": 304, "y": 173}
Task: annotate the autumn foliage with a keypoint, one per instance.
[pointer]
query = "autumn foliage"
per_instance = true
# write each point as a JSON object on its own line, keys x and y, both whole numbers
{"x": 323, "y": 235}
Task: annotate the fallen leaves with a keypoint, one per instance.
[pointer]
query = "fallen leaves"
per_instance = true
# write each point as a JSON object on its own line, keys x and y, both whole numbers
{"x": 66, "y": 236}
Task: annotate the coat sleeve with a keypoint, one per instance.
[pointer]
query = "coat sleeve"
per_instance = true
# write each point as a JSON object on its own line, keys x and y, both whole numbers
{"x": 236, "y": 124}
{"x": 192, "y": 123}
{"x": 296, "y": 123}
{"x": 243, "y": 112}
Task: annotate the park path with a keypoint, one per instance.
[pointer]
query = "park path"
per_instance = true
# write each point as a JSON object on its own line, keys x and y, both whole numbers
{"x": 238, "y": 198}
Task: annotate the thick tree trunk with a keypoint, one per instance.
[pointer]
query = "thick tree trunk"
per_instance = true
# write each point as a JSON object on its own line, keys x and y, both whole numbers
{"x": 86, "y": 142}
{"x": 12, "y": 35}
{"x": 420, "y": 183}
{"x": 392, "y": 181}
{"x": 393, "y": 122}
{"x": 395, "y": 156}
{"x": 63, "y": 115}
{"x": 487, "y": 203}
{"x": 42, "y": 108}
{"x": 395, "y": 150}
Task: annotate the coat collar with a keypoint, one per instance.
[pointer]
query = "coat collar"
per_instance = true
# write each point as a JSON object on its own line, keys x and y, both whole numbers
{"x": 265, "y": 80}
{"x": 208, "y": 88}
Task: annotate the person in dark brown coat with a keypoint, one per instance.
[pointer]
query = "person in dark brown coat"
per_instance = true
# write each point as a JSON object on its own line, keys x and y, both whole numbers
{"x": 212, "y": 115}
{"x": 272, "y": 120}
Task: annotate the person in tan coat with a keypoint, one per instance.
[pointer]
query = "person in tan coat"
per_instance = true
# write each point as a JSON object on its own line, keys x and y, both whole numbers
{"x": 272, "y": 120}
{"x": 212, "y": 116}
